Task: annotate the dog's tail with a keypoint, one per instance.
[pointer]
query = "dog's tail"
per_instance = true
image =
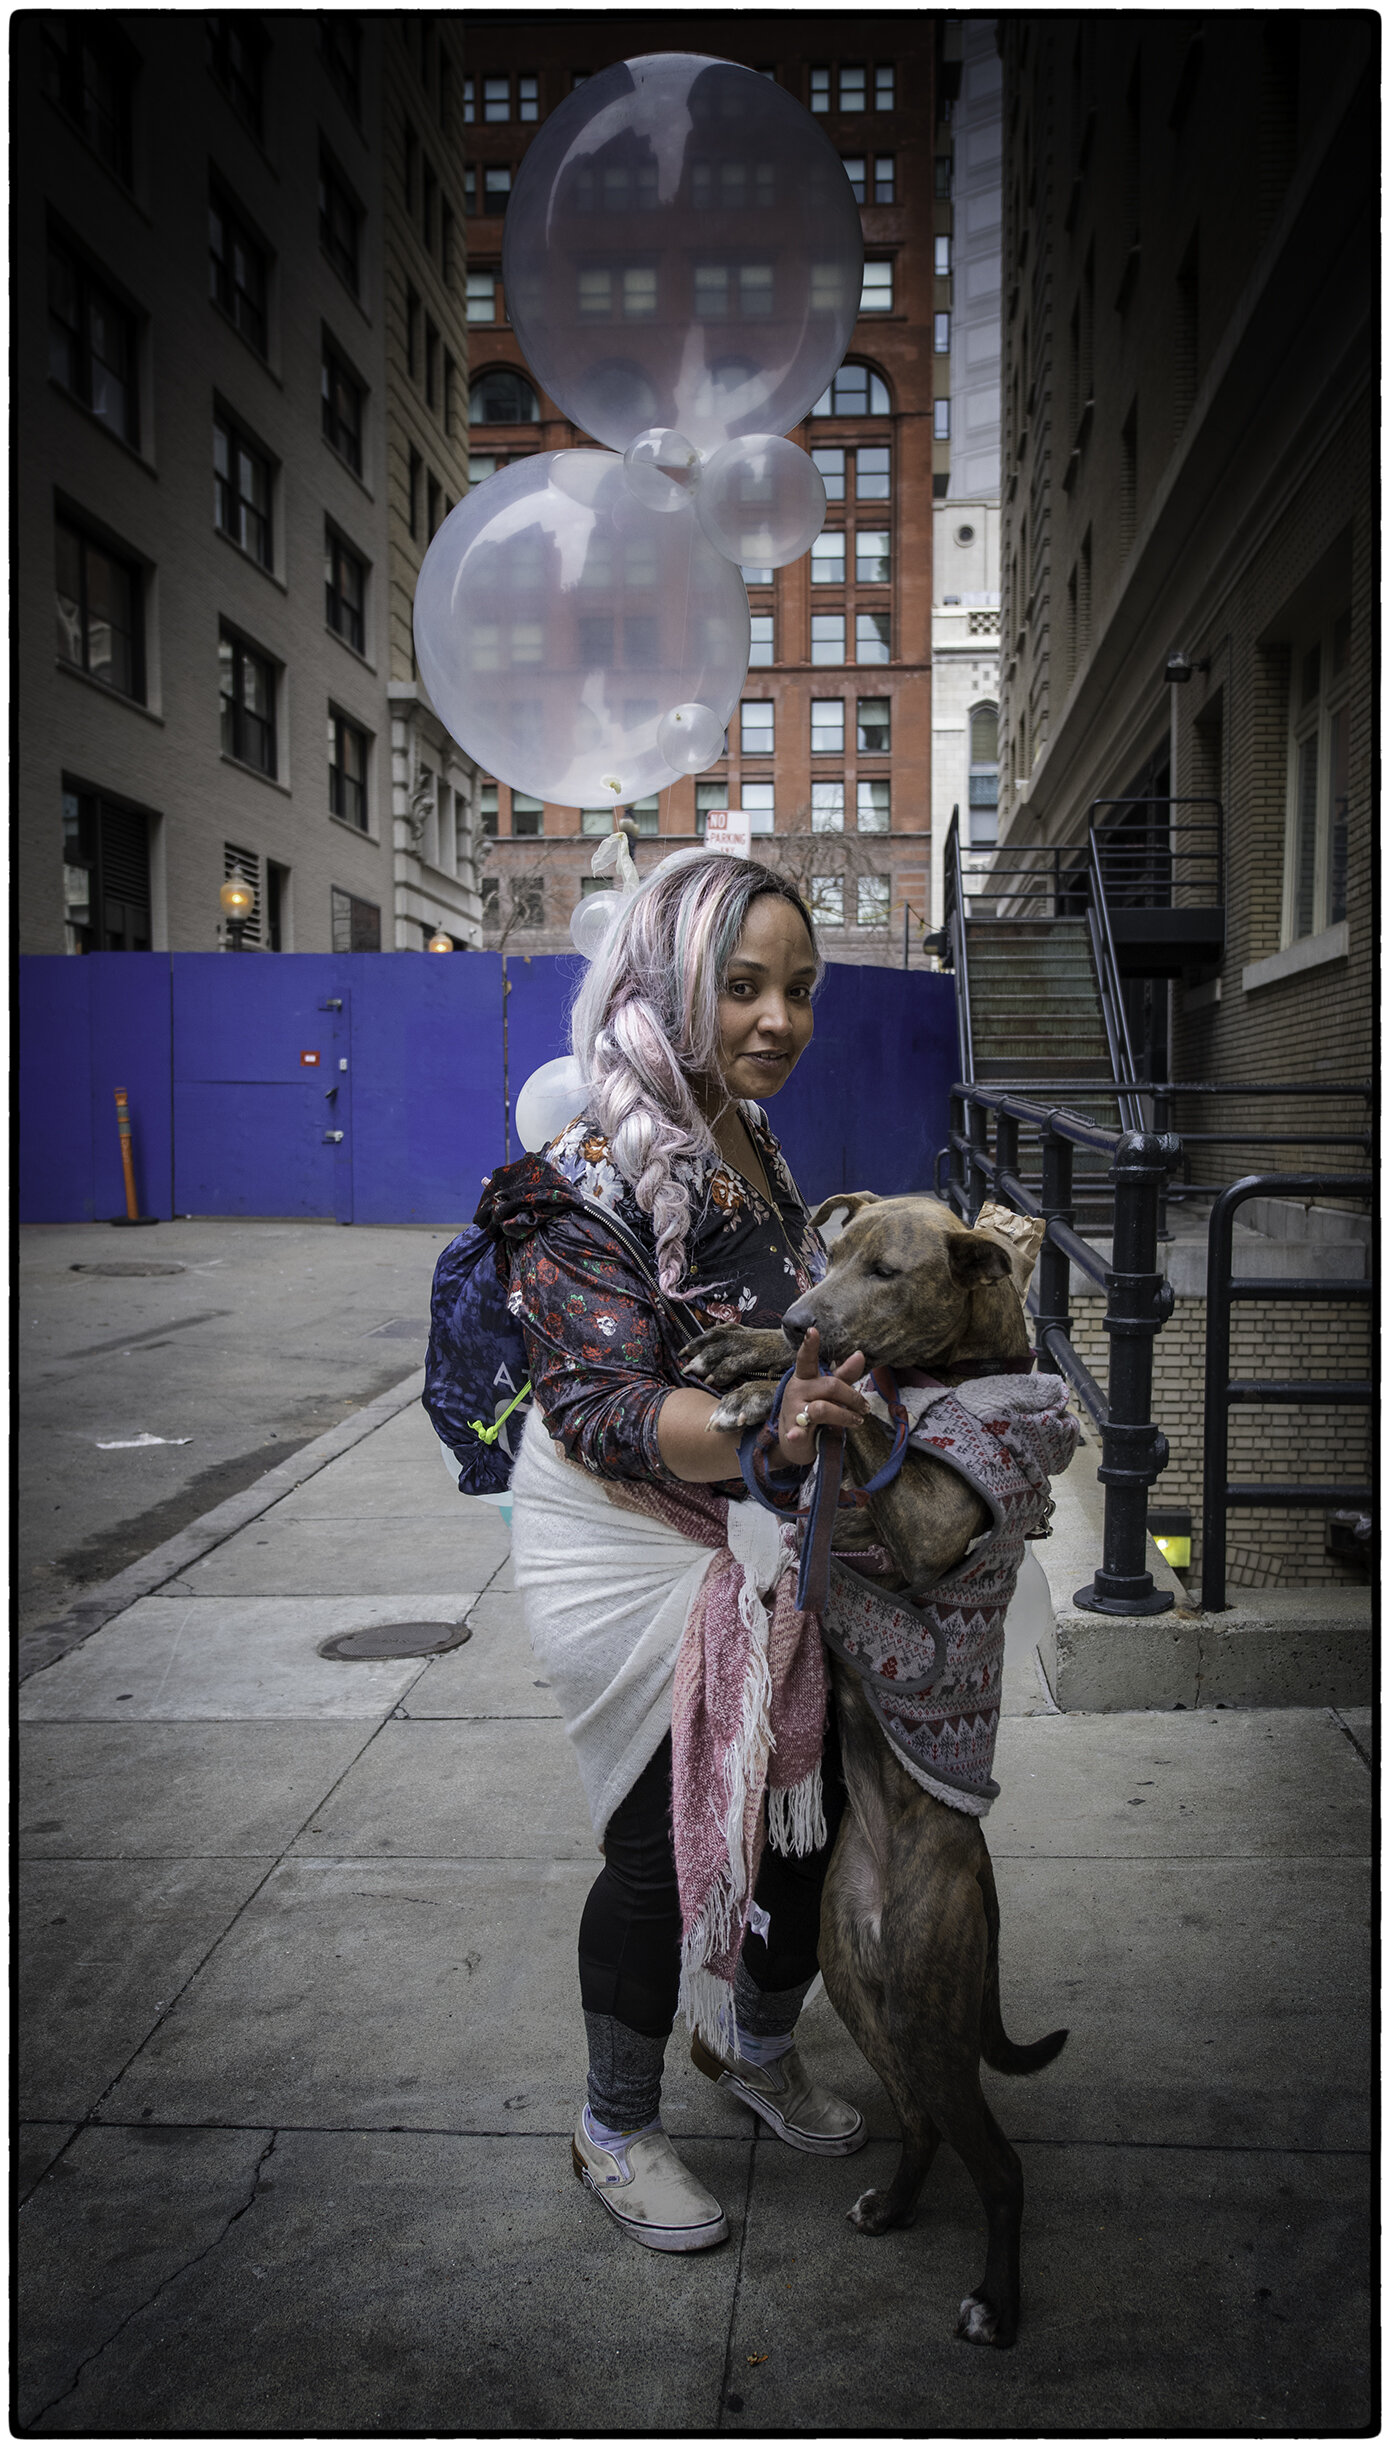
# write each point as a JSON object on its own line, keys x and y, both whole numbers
{"x": 997, "y": 2049}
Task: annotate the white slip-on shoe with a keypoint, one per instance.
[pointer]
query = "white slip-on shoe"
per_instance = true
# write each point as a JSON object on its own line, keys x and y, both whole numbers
{"x": 800, "y": 2111}
{"x": 649, "y": 2191}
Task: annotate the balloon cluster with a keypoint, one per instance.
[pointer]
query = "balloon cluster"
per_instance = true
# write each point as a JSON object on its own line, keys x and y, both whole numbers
{"x": 682, "y": 267}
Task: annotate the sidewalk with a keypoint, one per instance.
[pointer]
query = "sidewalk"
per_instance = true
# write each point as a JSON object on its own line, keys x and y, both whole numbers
{"x": 303, "y": 2047}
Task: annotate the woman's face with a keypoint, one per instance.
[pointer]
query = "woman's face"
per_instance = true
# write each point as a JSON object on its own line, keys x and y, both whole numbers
{"x": 765, "y": 1018}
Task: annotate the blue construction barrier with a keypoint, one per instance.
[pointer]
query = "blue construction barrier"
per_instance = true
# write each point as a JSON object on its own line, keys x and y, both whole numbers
{"x": 242, "y": 1073}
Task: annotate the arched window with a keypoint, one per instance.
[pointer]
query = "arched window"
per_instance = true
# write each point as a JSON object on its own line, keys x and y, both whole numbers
{"x": 502, "y": 397}
{"x": 855, "y": 391}
{"x": 984, "y": 775}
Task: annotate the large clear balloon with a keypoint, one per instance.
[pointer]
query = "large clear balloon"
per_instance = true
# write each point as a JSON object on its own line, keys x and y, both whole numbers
{"x": 590, "y": 920}
{"x": 551, "y": 1098}
{"x": 761, "y": 501}
{"x": 683, "y": 250}
{"x": 558, "y": 619}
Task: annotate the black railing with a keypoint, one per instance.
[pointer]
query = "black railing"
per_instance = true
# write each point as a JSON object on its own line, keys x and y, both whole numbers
{"x": 956, "y": 950}
{"x": 1154, "y": 857}
{"x": 1138, "y": 1299}
{"x": 1112, "y": 1001}
{"x": 1219, "y": 1491}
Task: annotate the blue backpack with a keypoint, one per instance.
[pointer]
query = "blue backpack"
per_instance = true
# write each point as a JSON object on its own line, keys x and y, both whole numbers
{"x": 477, "y": 1382}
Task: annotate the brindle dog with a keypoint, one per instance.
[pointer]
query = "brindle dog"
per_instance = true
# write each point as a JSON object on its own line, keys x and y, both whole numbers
{"x": 909, "y": 1942}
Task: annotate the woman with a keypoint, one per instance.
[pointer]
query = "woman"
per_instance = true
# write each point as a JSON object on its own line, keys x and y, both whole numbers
{"x": 634, "y": 1542}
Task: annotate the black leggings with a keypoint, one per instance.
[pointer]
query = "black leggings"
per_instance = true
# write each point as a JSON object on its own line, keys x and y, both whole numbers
{"x": 630, "y": 1933}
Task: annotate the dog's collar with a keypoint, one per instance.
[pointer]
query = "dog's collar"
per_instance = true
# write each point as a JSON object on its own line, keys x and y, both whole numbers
{"x": 958, "y": 1372}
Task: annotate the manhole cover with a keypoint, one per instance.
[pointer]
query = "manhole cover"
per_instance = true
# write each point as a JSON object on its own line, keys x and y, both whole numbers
{"x": 127, "y": 1266}
{"x": 395, "y": 1640}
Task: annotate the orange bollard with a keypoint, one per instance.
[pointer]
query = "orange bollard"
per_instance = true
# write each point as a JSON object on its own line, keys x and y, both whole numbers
{"x": 132, "y": 1205}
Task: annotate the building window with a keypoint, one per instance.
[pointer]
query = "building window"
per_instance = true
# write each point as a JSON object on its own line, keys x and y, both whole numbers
{"x": 853, "y": 89}
{"x": 412, "y": 333}
{"x": 248, "y": 704}
{"x": 753, "y": 574}
{"x": 883, "y": 87}
{"x": 941, "y": 420}
{"x": 236, "y": 55}
{"x": 340, "y": 40}
{"x": 239, "y": 272}
{"x": 527, "y": 895}
{"x": 99, "y": 603}
{"x": 411, "y": 167}
{"x": 431, "y": 364}
{"x": 487, "y": 810}
{"x": 429, "y": 203}
{"x": 645, "y": 814}
{"x": 871, "y": 472}
{"x": 871, "y": 637}
{"x": 528, "y": 815}
{"x": 827, "y": 726}
{"x": 241, "y": 482}
{"x": 885, "y": 178}
{"x": 1315, "y": 863}
{"x": 345, "y": 591}
{"x": 755, "y": 726}
{"x": 356, "y": 924}
{"x": 343, "y": 398}
{"x": 820, "y": 90}
{"x": 88, "y": 69}
{"x": 872, "y": 898}
{"x": 470, "y": 189}
{"x": 91, "y": 343}
{"x": 827, "y": 807}
{"x": 106, "y": 874}
{"x": 941, "y": 185}
{"x": 708, "y": 795}
{"x": 433, "y": 497}
{"x": 497, "y": 186}
{"x": 450, "y": 394}
{"x": 347, "y": 770}
{"x": 984, "y": 776}
{"x": 340, "y": 222}
{"x": 497, "y": 101}
{"x": 827, "y": 637}
{"x": 872, "y": 808}
{"x": 876, "y": 295}
{"x": 480, "y": 296}
{"x": 760, "y": 647}
{"x": 446, "y": 244}
{"x": 594, "y": 820}
{"x": 855, "y": 166}
{"x": 502, "y": 397}
{"x": 277, "y": 898}
{"x": 871, "y": 555}
{"x": 758, "y": 803}
{"x": 856, "y": 391}
{"x": 943, "y": 256}
{"x": 828, "y": 557}
{"x": 470, "y": 101}
{"x": 831, "y": 467}
{"x": 874, "y": 727}
{"x": 828, "y": 900}
{"x": 528, "y": 105}
{"x": 941, "y": 334}
{"x": 415, "y": 470}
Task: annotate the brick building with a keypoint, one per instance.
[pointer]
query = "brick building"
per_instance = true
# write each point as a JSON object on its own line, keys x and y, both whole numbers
{"x": 214, "y": 428}
{"x": 832, "y": 742}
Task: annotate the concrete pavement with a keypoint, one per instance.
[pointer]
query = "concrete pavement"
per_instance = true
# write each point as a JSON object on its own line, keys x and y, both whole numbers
{"x": 302, "y": 2046}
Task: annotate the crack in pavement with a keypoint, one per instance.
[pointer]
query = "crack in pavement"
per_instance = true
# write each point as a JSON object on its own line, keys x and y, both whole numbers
{"x": 171, "y": 2279}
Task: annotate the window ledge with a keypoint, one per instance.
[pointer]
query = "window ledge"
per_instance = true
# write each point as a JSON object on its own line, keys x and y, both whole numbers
{"x": 114, "y": 696}
{"x": 131, "y": 449}
{"x": 348, "y": 648}
{"x": 271, "y": 781}
{"x": 344, "y": 825}
{"x": 1310, "y": 952}
{"x": 249, "y": 558}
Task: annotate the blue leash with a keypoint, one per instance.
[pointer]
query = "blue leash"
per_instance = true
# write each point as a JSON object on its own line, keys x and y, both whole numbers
{"x": 778, "y": 1490}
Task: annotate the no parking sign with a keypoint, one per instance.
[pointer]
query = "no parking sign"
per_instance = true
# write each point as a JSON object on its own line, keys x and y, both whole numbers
{"x": 728, "y": 829}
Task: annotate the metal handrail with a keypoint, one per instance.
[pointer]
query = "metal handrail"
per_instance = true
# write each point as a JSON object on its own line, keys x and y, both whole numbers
{"x": 1219, "y": 1492}
{"x": 954, "y": 915}
{"x": 1112, "y": 1002}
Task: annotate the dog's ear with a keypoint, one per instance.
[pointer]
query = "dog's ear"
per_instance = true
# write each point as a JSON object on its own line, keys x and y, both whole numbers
{"x": 849, "y": 1200}
{"x": 975, "y": 1259}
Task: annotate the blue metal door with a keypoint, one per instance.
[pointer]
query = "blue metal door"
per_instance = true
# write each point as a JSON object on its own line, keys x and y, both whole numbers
{"x": 262, "y": 1086}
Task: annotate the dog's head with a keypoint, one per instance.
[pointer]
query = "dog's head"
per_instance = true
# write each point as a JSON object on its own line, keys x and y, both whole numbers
{"x": 909, "y": 1284}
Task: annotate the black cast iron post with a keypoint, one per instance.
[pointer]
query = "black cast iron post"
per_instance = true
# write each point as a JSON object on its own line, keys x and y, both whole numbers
{"x": 1138, "y": 1301}
{"x": 955, "y": 1178}
{"x": 1054, "y": 1266}
{"x": 978, "y": 1185}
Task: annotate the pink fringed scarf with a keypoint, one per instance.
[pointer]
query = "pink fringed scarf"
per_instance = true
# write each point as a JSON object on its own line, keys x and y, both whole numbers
{"x": 747, "y": 1721}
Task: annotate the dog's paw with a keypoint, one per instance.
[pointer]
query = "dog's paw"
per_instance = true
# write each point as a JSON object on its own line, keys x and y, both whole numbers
{"x": 744, "y": 1407}
{"x": 724, "y": 1354}
{"x": 874, "y": 2214}
{"x": 981, "y": 2325}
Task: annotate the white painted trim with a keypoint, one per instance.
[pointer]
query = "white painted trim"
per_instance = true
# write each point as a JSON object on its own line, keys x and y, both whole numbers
{"x": 1310, "y": 952}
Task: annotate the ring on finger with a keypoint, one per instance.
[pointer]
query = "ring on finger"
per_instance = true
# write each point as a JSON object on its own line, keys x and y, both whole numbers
{"x": 803, "y": 1419}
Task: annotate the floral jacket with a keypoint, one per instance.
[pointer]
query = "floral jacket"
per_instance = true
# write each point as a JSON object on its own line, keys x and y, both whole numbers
{"x": 601, "y": 1364}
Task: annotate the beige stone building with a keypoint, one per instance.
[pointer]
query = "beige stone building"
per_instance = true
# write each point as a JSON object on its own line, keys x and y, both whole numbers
{"x": 215, "y": 243}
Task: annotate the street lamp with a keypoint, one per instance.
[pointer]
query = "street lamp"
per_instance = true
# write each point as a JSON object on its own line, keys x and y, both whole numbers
{"x": 440, "y": 943}
{"x": 238, "y": 901}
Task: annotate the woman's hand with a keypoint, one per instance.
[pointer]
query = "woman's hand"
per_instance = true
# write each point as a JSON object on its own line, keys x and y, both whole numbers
{"x": 815, "y": 1401}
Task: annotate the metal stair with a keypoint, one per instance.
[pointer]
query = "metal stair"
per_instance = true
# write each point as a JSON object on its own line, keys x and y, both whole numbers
{"x": 1036, "y": 1017}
